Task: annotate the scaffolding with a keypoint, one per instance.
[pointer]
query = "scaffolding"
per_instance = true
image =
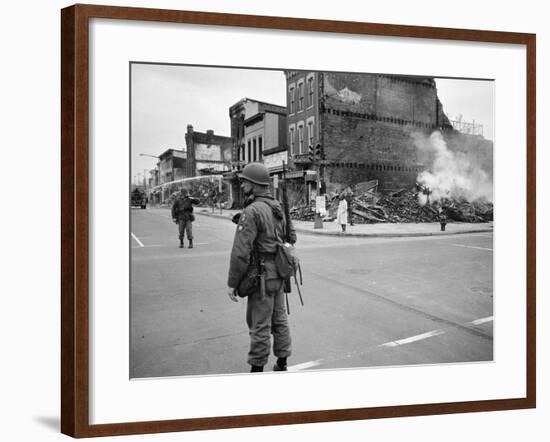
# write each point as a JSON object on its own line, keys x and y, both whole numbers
{"x": 467, "y": 128}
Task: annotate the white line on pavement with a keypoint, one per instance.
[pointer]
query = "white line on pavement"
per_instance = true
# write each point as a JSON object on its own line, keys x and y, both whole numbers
{"x": 472, "y": 247}
{"x": 304, "y": 365}
{"x": 413, "y": 338}
{"x": 137, "y": 239}
{"x": 482, "y": 320}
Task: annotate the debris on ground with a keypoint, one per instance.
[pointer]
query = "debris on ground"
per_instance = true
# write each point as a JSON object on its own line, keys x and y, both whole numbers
{"x": 402, "y": 206}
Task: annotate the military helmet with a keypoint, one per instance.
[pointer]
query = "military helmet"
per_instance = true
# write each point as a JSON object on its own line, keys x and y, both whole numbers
{"x": 256, "y": 173}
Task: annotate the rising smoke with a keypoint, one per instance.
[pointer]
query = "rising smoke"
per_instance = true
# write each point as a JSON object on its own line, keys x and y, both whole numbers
{"x": 450, "y": 174}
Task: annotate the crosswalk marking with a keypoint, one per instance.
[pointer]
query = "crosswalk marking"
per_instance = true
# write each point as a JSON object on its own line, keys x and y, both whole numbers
{"x": 482, "y": 320}
{"x": 472, "y": 247}
{"x": 304, "y": 365}
{"x": 137, "y": 239}
{"x": 413, "y": 338}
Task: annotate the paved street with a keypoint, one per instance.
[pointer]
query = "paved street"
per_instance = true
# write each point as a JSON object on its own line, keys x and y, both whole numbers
{"x": 368, "y": 301}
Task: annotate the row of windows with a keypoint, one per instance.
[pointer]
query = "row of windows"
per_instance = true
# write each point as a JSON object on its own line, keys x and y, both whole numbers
{"x": 373, "y": 117}
{"x": 414, "y": 81}
{"x": 252, "y": 151}
{"x": 302, "y": 97}
{"x": 379, "y": 167}
{"x": 296, "y": 136}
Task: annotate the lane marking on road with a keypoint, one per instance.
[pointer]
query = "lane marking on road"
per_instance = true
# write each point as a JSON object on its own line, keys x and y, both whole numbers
{"x": 413, "y": 338}
{"x": 482, "y": 320}
{"x": 304, "y": 365}
{"x": 472, "y": 247}
{"x": 137, "y": 239}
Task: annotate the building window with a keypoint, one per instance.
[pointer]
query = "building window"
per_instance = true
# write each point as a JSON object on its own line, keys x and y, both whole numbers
{"x": 310, "y": 91}
{"x": 249, "y": 152}
{"x": 310, "y": 131}
{"x": 301, "y": 138}
{"x": 291, "y": 100}
{"x": 301, "y": 96}
{"x": 291, "y": 142}
{"x": 254, "y": 149}
{"x": 260, "y": 148}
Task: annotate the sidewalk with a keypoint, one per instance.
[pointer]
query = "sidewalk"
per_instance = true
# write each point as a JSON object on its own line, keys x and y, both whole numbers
{"x": 380, "y": 230}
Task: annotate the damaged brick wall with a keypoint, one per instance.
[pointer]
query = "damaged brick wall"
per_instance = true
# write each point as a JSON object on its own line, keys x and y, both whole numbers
{"x": 360, "y": 150}
{"x": 367, "y": 121}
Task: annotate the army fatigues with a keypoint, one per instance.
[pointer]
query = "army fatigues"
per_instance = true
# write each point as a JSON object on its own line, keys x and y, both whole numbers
{"x": 261, "y": 227}
{"x": 182, "y": 211}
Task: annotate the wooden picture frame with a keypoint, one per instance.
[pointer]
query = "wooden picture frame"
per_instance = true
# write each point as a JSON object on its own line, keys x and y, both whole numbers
{"x": 75, "y": 218}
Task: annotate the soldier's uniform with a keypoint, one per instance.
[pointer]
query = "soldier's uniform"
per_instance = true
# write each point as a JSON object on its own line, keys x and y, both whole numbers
{"x": 261, "y": 226}
{"x": 182, "y": 213}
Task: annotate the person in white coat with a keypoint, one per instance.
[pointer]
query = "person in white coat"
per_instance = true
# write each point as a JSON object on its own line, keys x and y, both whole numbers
{"x": 342, "y": 213}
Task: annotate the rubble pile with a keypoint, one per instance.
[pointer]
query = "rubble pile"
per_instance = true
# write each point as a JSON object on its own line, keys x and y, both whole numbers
{"x": 303, "y": 212}
{"x": 401, "y": 207}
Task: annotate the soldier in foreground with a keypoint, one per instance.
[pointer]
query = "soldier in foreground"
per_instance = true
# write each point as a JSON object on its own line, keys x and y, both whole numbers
{"x": 182, "y": 215}
{"x": 253, "y": 273}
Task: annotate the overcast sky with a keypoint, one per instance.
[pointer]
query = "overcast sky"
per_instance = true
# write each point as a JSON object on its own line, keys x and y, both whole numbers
{"x": 165, "y": 99}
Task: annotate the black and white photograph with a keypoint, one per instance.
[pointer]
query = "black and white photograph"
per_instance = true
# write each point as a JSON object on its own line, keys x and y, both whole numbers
{"x": 292, "y": 220}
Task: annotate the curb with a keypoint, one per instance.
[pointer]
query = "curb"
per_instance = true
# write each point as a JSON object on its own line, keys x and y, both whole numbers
{"x": 390, "y": 235}
{"x": 363, "y": 235}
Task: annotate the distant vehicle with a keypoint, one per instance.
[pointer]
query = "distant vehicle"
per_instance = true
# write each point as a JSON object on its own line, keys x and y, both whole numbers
{"x": 139, "y": 199}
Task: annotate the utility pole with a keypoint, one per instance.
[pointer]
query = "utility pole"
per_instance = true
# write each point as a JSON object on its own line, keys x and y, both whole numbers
{"x": 317, "y": 162}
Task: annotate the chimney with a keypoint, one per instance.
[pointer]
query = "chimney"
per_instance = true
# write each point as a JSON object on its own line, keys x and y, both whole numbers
{"x": 189, "y": 128}
{"x": 210, "y": 133}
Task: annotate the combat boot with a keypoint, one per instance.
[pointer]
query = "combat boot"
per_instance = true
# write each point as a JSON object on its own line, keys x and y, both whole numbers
{"x": 256, "y": 368}
{"x": 190, "y": 243}
{"x": 181, "y": 243}
{"x": 280, "y": 365}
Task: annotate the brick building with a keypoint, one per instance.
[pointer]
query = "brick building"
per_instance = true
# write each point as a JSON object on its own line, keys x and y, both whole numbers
{"x": 362, "y": 125}
{"x": 258, "y": 130}
{"x": 207, "y": 154}
{"x": 172, "y": 165}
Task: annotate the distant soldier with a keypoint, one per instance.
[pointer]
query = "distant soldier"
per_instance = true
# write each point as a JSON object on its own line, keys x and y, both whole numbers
{"x": 260, "y": 228}
{"x": 182, "y": 215}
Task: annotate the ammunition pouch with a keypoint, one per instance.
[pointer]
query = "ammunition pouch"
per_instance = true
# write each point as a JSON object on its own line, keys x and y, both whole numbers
{"x": 260, "y": 276}
{"x": 250, "y": 282}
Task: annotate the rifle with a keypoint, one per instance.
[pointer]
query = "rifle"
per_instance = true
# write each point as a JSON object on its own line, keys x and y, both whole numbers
{"x": 286, "y": 210}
